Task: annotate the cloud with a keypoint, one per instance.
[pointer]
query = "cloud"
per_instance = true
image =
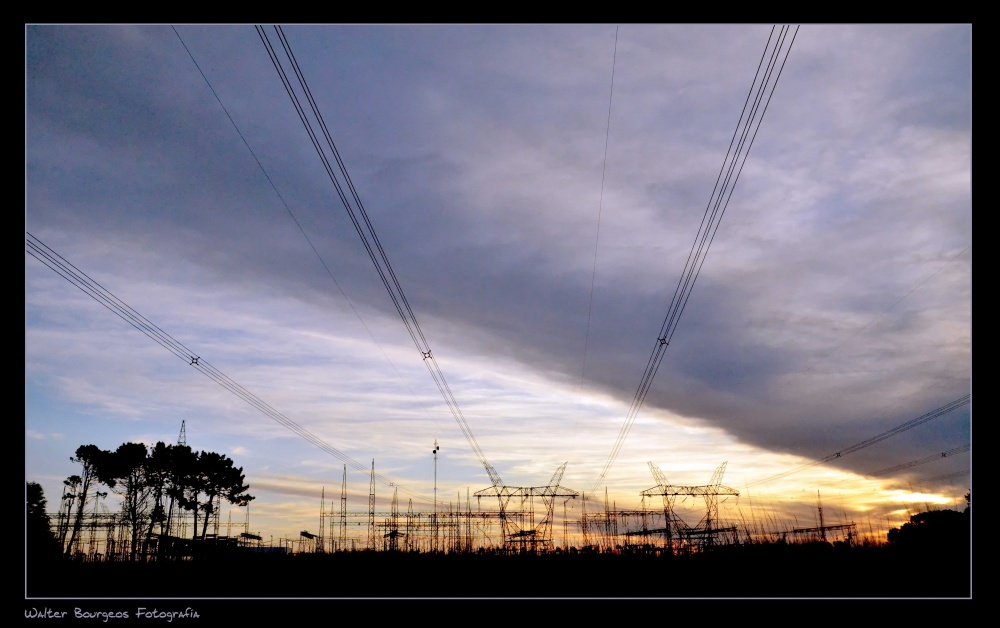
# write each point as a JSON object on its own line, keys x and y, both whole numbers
{"x": 835, "y": 302}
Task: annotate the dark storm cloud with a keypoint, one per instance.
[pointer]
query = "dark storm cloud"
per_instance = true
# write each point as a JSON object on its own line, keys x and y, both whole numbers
{"x": 479, "y": 155}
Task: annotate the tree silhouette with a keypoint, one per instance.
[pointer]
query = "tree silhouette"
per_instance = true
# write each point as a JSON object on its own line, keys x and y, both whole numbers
{"x": 90, "y": 457}
{"x": 157, "y": 480}
{"x": 70, "y": 486}
{"x": 144, "y": 478}
{"x": 40, "y": 543}
{"x": 125, "y": 471}
{"x": 180, "y": 462}
{"x": 218, "y": 477}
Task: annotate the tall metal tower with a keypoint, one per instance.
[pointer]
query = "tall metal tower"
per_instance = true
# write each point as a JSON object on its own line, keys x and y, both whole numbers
{"x": 610, "y": 524}
{"x": 565, "y": 526}
{"x": 393, "y": 532}
{"x": 819, "y": 508}
{"x": 343, "y": 512}
{"x": 708, "y": 527}
{"x": 409, "y": 526}
{"x": 668, "y": 503}
{"x": 215, "y": 514}
{"x": 435, "y": 452}
{"x": 320, "y": 539}
{"x": 371, "y": 510}
{"x": 170, "y": 523}
{"x": 517, "y": 536}
{"x": 548, "y": 495}
{"x": 712, "y": 499}
{"x": 818, "y": 533}
{"x": 468, "y": 521}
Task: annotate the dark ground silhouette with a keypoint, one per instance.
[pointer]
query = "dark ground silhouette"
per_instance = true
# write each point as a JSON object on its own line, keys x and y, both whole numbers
{"x": 760, "y": 571}
{"x": 929, "y": 557}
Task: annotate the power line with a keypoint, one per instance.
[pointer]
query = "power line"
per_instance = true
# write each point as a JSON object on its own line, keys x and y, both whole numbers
{"x": 288, "y": 209}
{"x": 600, "y": 208}
{"x": 925, "y": 460}
{"x": 47, "y": 256}
{"x": 899, "y": 429}
{"x": 366, "y": 231}
{"x": 764, "y": 83}
{"x": 947, "y": 476}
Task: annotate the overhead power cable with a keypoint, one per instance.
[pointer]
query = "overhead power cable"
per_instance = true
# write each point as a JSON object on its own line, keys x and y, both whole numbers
{"x": 288, "y": 209}
{"x": 322, "y": 141}
{"x": 758, "y": 98}
{"x": 925, "y": 460}
{"x": 40, "y": 251}
{"x": 899, "y": 429}
{"x": 600, "y": 209}
{"x": 947, "y": 476}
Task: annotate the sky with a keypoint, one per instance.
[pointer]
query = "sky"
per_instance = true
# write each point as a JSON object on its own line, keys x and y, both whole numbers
{"x": 537, "y": 190}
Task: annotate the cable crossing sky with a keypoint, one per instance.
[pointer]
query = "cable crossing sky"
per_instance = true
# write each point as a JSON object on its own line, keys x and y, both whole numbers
{"x": 359, "y": 218}
{"x": 758, "y": 98}
{"x": 40, "y": 251}
{"x": 909, "y": 425}
{"x": 924, "y": 460}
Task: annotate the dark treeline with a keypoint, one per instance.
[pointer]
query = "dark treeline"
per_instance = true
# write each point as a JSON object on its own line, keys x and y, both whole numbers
{"x": 156, "y": 485}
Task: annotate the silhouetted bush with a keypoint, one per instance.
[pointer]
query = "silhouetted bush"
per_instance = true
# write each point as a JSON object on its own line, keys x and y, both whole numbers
{"x": 944, "y": 529}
